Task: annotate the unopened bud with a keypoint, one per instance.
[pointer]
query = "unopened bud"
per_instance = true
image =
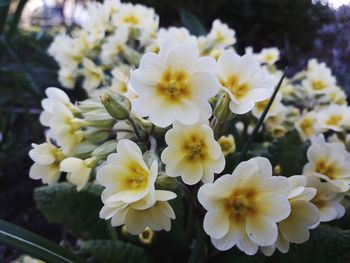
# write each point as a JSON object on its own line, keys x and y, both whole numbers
{"x": 222, "y": 110}
{"x": 117, "y": 105}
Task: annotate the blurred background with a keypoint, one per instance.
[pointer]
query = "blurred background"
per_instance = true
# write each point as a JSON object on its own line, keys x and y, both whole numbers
{"x": 301, "y": 29}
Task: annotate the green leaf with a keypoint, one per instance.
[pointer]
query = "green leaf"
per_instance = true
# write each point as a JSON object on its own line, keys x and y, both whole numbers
{"x": 288, "y": 152}
{"x": 116, "y": 251}
{"x": 192, "y": 23}
{"x": 34, "y": 245}
{"x": 326, "y": 244}
{"x": 16, "y": 18}
{"x": 78, "y": 211}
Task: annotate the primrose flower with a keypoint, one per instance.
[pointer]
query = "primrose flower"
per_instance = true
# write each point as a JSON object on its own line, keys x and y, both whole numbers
{"x": 139, "y": 215}
{"x": 269, "y": 55}
{"x": 335, "y": 117}
{"x": 65, "y": 128}
{"x": 221, "y": 34}
{"x": 307, "y": 126}
{"x": 244, "y": 81}
{"x": 275, "y": 108}
{"x": 177, "y": 83}
{"x": 54, "y": 96}
{"x": 78, "y": 171}
{"x": 245, "y": 207}
{"x": 319, "y": 80}
{"x": 303, "y": 216}
{"x": 126, "y": 176}
{"x": 227, "y": 144}
{"x": 327, "y": 200}
{"x": 93, "y": 75}
{"x": 330, "y": 162}
{"x": 114, "y": 45}
{"x": 134, "y": 16}
{"x": 47, "y": 158}
{"x": 192, "y": 153}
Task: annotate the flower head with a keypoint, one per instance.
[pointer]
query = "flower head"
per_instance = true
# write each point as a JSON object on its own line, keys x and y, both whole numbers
{"x": 47, "y": 158}
{"x": 243, "y": 208}
{"x": 244, "y": 81}
{"x": 269, "y": 55}
{"x": 330, "y": 162}
{"x": 327, "y": 199}
{"x": 303, "y": 216}
{"x": 178, "y": 83}
{"x": 192, "y": 153}
{"x": 126, "y": 175}
{"x": 78, "y": 171}
{"x": 227, "y": 144}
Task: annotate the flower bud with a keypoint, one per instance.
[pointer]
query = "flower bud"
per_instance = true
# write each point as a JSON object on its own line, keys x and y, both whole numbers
{"x": 117, "y": 105}
{"x": 222, "y": 110}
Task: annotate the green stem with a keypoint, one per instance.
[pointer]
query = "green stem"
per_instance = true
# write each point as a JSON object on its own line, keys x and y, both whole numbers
{"x": 34, "y": 245}
{"x": 261, "y": 119}
{"x": 199, "y": 246}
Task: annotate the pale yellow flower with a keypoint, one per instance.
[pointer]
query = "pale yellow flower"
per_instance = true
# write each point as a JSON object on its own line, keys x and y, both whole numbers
{"x": 192, "y": 153}
{"x": 245, "y": 207}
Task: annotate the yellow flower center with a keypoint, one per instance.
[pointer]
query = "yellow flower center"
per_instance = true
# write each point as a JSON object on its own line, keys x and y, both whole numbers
{"x": 195, "y": 148}
{"x": 307, "y": 126}
{"x": 138, "y": 177}
{"x": 131, "y": 19}
{"x": 269, "y": 57}
{"x": 238, "y": 90}
{"x": 327, "y": 169}
{"x": 318, "y": 85}
{"x": 242, "y": 204}
{"x": 174, "y": 86}
{"x": 219, "y": 37}
{"x": 334, "y": 120}
{"x": 318, "y": 202}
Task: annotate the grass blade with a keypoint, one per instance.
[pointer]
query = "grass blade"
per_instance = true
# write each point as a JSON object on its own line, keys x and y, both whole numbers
{"x": 15, "y": 19}
{"x": 34, "y": 245}
{"x": 261, "y": 119}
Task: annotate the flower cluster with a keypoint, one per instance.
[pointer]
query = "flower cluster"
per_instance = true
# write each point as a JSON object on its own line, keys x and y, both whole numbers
{"x": 171, "y": 108}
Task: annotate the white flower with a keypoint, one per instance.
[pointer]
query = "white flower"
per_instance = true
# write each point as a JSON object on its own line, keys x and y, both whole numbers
{"x": 244, "y": 81}
{"x": 78, "y": 171}
{"x": 319, "y": 80}
{"x": 303, "y": 216}
{"x": 28, "y": 259}
{"x": 126, "y": 176}
{"x": 245, "y": 207}
{"x": 308, "y": 126}
{"x": 135, "y": 16}
{"x": 327, "y": 200}
{"x": 114, "y": 45}
{"x": 93, "y": 75}
{"x": 335, "y": 117}
{"x": 180, "y": 34}
{"x": 275, "y": 108}
{"x": 54, "y": 96}
{"x": 177, "y": 83}
{"x": 67, "y": 77}
{"x": 269, "y": 55}
{"x": 330, "y": 162}
{"x": 65, "y": 128}
{"x": 221, "y": 34}
{"x": 47, "y": 158}
{"x": 121, "y": 83}
{"x": 227, "y": 144}
{"x": 192, "y": 153}
{"x": 97, "y": 21}
{"x": 139, "y": 215}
